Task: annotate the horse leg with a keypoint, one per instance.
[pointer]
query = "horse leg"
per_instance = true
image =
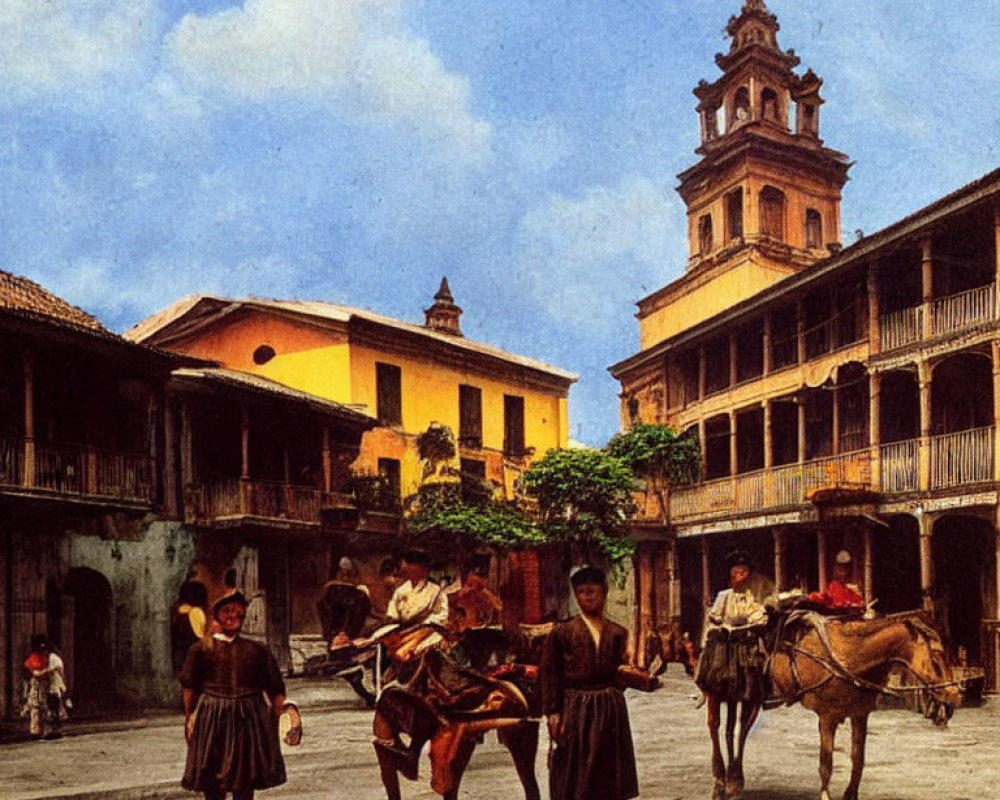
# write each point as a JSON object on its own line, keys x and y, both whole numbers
{"x": 859, "y": 733}
{"x": 382, "y": 730}
{"x": 734, "y": 777}
{"x": 522, "y": 742}
{"x": 718, "y": 764}
{"x": 827, "y": 735}
{"x": 732, "y": 717}
{"x": 451, "y": 749}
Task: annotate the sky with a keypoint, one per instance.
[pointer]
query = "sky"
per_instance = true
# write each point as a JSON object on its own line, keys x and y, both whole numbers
{"x": 357, "y": 151}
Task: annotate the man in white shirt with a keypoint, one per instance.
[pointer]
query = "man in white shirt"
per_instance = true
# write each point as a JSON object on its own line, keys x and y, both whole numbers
{"x": 417, "y": 601}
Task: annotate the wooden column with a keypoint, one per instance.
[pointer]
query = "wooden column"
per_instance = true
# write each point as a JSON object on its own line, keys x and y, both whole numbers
{"x": 673, "y": 604}
{"x": 170, "y": 508}
{"x": 28, "y": 479}
{"x": 767, "y": 344}
{"x": 821, "y": 557}
{"x": 768, "y": 436}
{"x": 702, "y": 372}
{"x": 869, "y": 572}
{"x": 874, "y": 322}
{"x": 874, "y": 428}
{"x": 995, "y": 354}
{"x": 327, "y": 461}
{"x": 733, "y": 453}
{"x": 154, "y": 449}
{"x": 244, "y": 459}
{"x": 187, "y": 449}
{"x": 801, "y": 405}
{"x": 835, "y": 422}
{"x": 800, "y": 330}
{"x": 927, "y": 285}
{"x": 924, "y": 379}
{"x": 926, "y": 523}
{"x": 706, "y": 575}
{"x": 733, "y": 366}
{"x": 778, "y": 535}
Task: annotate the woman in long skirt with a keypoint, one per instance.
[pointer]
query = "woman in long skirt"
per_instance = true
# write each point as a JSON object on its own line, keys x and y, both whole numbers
{"x": 233, "y": 696}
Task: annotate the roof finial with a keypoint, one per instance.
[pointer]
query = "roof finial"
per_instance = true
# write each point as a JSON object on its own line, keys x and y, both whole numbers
{"x": 443, "y": 315}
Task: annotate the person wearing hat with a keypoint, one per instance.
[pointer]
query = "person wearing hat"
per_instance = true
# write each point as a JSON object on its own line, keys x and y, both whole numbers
{"x": 732, "y": 657}
{"x": 232, "y": 731}
{"x": 343, "y": 609}
{"x": 841, "y": 594}
{"x": 593, "y": 756}
{"x": 417, "y": 603}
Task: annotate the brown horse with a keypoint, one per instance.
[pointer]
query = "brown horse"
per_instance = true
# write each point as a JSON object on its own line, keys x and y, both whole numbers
{"x": 838, "y": 669}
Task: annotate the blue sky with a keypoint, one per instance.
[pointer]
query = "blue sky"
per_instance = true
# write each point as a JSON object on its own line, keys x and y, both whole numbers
{"x": 358, "y": 150}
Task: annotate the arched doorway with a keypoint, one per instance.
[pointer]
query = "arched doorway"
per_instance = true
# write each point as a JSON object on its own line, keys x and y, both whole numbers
{"x": 896, "y": 565}
{"x": 91, "y": 670}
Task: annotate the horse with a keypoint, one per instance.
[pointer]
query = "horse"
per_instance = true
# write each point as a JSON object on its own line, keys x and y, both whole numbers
{"x": 452, "y": 707}
{"x": 838, "y": 669}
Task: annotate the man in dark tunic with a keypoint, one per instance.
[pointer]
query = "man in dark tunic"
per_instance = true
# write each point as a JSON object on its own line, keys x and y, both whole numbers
{"x": 588, "y": 720}
{"x": 232, "y": 731}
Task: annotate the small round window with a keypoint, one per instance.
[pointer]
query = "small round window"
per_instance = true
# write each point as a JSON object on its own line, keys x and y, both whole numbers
{"x": 263, "y": 354}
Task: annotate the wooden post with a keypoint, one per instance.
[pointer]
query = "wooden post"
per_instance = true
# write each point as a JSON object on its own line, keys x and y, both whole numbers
{"x": 169, "y": 459}
{"x": 924, "y": 378}
{"x": 874, "y": 321}
{"x": 802, "y": 429}
{"x": 926, "y": 523}
{"x": 768, "y": 457}
{"x": 927, "y": 286}
{"x": 800, "y": 330}
{"x": 733, "y": 452}
{"x": 706, "y": 575}
{"x": 835, "y": 422}
{"x": 767, "y": 344}
{"x": 869, "y": 572}
{"x": 702, "y": 372}
{"x": 244, "y": 459}
{"x": 874, "y": 428}
{"x": 327, "y": 461}
{"x": 28, "y": 478}
{"x": 821, "y": 557}
{"x": 778, "y": 535}
{"x": 673, "y": 599}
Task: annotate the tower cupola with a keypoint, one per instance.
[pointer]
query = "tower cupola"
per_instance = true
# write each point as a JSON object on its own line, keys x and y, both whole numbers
{"x": 443, "y": 315}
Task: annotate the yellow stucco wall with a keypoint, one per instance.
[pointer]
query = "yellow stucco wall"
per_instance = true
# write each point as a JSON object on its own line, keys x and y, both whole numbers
{"x": 706, "y": 300}
{"x": 322, "y": 362}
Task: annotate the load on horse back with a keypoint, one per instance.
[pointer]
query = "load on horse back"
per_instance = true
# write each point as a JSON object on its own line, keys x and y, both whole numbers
{"x": 838, "y": 668}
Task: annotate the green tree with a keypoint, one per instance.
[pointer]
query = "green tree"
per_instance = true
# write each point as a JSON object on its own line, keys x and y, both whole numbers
{"x": 583, "y": 498}
{"x": 659, "y": 455}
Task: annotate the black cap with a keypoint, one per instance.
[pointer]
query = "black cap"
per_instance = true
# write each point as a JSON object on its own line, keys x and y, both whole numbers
{"x": 233, "y": 597}
{"x": 738, "y": 558}
{"x": 421, "y": 557}
{"x": 588, "y": 575}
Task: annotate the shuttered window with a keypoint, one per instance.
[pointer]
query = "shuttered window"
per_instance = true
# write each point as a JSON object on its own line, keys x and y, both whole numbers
{"x": 513, "y": 425}
{"x": 470, "y": 416}
{"x": 388, "y": 388}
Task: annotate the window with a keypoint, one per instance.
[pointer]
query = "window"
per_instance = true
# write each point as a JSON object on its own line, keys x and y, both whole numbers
{"x": 784, "y": 337}
{"x": 263, "y": 354}
{"x": 718, "y": 361}
{"x": 705, "y": 234}
{"x": 470, "y": 416}
{"x": 388, "y": 471}
{"x": 389, "y": 397}
{"x": 772, "y": 213}
{"x": 513, "y": 425}
{"x": 734, "y": 214}
{"x": 814, "y": 229}
{"x": 750, "y": 351}
{"x": 741, "y": 106}
{"x": 769, "y": 101}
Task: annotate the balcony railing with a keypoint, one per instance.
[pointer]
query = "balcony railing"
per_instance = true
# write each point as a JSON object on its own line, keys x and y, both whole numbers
{"x": 900, "y": 466}
{"x": 273, "y": 500}
{"x": 965, "y": 309}
{"x": 963, "y": 457}
{"x": 901, "y": 328}
{"x": 75, "y": 469}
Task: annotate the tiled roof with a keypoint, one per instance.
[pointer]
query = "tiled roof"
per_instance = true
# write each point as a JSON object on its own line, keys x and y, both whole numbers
{"x": 22, "y": 294}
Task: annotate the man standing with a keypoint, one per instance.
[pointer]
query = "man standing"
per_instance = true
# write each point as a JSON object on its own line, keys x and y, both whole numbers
{"x": 232, "y": 732}
{"x": 46, "y": 692}
{"x": 588, "y": 720}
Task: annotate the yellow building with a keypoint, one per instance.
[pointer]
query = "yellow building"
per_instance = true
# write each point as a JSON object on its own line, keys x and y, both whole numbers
{"x": 849, "y": 403}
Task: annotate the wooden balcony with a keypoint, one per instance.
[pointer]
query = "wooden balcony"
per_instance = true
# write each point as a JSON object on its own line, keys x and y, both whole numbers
{"x": 963, "y": 457}
{"x": 956, "y": 459}
{"x": 269, "y": 502}
{"x": 77, "y": 471}
{"x": 951, "y": 314}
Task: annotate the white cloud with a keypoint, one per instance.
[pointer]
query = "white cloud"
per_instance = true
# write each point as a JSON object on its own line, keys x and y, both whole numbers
{"x": 358, "y": 52}
{"x": 585, "y": 258}
{"x": 49, "y": 47}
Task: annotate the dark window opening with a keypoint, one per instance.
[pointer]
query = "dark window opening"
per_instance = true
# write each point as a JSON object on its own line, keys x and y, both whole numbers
{"x": 717, "y": 448}
{"x": 513, "y": 426}
{"x": 814, "y": 229}
{"x": 741, "y": 106}
{"x": 852, "y": 313}
{"x": 784, "y": 338}
{"x": 784, "y": 432}
{"x": 750, "y": 351}
{"x": 772, "y": 213}
{"x": 717, "y": 365}
{"x": 817, "y": 308}
{"x": 750, "y": 440}
{"x": 470, "y": 416}
{"x": 900, "y": 393}
{"x": 819, "y": 424}
{"x": 263, "y": 354}
{"x": 389, "y": 472}
{"x": 854, "y": 402}
{"x": 769, "y": 102}
{"x": 899, "y": 279}
{"x": 705, "y": 242}
{"x": 734, "y": 215}
{"x": 389, "y": 395}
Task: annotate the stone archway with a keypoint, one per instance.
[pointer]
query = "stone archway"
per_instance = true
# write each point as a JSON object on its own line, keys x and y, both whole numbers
{"x": 91, "y": 670}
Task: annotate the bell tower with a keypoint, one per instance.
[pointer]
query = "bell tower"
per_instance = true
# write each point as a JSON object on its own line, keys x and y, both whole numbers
{"x": 766, "y": 191}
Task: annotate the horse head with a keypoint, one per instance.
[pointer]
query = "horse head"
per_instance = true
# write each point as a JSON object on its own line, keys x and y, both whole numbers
{"x": 929, "y": 664}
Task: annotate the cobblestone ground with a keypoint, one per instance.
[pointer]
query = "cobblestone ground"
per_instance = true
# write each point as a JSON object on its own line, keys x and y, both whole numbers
{"x": 906, "y": 758}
